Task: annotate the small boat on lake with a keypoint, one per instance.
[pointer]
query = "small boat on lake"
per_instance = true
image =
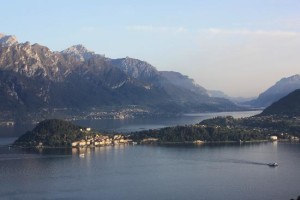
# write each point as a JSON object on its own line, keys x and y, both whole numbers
{"x": 273, "y": 164}
{"x": 81, "y": 155}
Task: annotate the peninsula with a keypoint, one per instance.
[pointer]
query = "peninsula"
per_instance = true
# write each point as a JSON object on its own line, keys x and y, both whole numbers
{"x": 281, "y": 120}
{"x": 275, "y": 122}
{"x": 60, "y": 133}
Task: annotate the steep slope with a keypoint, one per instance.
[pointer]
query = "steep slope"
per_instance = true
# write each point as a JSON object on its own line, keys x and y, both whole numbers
{"x": 178, "y": 87}
{"x": 277, "y": 91}
{"x": 184, "y": 82}
{"x": 288, "y": 105}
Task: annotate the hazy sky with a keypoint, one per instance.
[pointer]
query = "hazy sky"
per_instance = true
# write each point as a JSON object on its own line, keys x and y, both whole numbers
{"x": 241, "y": 47}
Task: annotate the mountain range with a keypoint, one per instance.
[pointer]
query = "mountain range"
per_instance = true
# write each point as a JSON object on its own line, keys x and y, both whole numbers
{"x": 282, "y": 88}
{"x": 34, "y": 78}
{"x": 221, "y": 94}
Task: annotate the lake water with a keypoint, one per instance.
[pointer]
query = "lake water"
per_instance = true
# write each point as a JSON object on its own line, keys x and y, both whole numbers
{"x": 128, "y": 125}
{"x": 224, "y": 171}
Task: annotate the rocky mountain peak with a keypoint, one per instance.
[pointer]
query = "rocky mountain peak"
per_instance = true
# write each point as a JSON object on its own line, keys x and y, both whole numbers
{"x": 135, "y": 68}
{"x": 8, "y": 40}
{"x": 32, "y": 61}
{"x": 79, "y": 51}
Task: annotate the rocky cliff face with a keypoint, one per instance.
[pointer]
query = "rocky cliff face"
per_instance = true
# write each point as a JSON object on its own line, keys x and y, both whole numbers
{"x": 33, "y": 61}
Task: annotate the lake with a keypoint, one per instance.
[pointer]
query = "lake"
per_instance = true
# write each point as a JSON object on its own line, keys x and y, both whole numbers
{"x": 209, "y": 171}
{"x": 138, "y": 124}
{"x": 129, "y": 125}
{"x": 223, "y": 171}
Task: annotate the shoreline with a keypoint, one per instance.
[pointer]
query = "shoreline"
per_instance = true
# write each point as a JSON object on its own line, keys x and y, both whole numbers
{"x": 156, "y": 143}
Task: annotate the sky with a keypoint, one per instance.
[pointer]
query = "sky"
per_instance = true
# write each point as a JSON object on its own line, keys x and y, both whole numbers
{"x": 241, "y": 47}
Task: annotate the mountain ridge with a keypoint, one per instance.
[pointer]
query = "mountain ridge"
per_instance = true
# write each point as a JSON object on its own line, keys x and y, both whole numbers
{"x": 280, "y": 89}
{"x": 35, "y": 78}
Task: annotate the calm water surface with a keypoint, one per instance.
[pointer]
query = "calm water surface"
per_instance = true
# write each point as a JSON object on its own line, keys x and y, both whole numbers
{"x": 224, "y": 171}
{"x": 153, "y": 172}
{"x": 129, "y": 125}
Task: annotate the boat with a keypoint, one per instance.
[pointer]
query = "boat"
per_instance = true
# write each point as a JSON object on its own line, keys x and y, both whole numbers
{"x": 81, "y": 155}
{"x": 273, "y": 164}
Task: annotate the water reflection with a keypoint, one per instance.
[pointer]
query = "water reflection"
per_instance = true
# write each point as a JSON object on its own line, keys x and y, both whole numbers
{"x": 89, "y": 151}
{"x": 209, "y": 171}
{"x": 275, "y": 143}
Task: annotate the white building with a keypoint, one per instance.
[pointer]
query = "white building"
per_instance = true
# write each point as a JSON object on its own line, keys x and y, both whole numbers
{"x": 273, "y": 138}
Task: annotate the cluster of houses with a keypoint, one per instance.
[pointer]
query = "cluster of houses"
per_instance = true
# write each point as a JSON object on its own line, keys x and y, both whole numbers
{"x": 101, "y": 140}
{"x": 294, "y": 138}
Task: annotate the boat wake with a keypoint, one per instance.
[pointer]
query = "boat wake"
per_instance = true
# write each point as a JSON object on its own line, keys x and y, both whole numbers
{"x": 238, "y": 161}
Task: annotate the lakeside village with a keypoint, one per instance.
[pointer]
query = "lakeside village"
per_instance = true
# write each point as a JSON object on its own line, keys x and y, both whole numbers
{"x": 95, "y": 140}
{"x": 99, "y": 140}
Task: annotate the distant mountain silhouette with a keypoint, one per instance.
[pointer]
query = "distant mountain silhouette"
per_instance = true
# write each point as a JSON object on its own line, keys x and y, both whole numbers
{"x": 220, "y": 94}
{"x": 277, "y": 91}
